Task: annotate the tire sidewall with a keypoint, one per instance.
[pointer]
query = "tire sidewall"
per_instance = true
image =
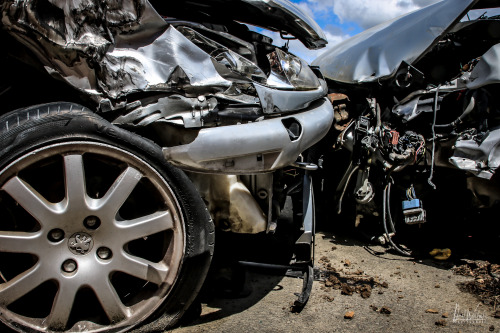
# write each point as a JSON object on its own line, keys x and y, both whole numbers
{"x": 68, "y": 122}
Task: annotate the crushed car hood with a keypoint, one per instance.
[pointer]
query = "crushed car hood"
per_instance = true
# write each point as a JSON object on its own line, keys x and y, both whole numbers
{"x": 378, "y": 52}
{"x": 276, "y": 15}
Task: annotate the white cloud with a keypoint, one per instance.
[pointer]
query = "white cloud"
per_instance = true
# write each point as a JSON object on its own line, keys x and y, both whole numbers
{"x": 365, "y": 13}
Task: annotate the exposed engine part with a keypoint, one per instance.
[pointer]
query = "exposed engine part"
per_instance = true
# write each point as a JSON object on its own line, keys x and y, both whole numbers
{"x": 387, "y": 217}
{"x": 230, "y": 203}
{"x": 407, "y": 148}
{"x": 412, "y": 208}
{"x": 364, "y": 191}
{"x": 414, "y": 107}
{"x": 190, "y": 110}
{"x": 340, "y": 113}
{"x": 478, "y": 153}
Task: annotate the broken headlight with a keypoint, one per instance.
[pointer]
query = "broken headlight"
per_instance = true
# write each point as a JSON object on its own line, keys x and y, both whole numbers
{"x": 241, "y": 65}
{"x": 290, "y": 72}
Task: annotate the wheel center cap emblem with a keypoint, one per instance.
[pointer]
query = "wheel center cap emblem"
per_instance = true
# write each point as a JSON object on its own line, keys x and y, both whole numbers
{"x": 80, "y": 243}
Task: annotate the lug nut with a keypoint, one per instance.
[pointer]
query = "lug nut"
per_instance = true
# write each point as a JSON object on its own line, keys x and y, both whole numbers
{"x": 92, "y": 222}
{"x": 104, "y": 253}
{"x": 69, "y": 266}
{"x": 55, "y": 235}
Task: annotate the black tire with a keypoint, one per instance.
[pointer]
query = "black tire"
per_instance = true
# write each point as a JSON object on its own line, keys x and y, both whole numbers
{"x": 92, "y": 218}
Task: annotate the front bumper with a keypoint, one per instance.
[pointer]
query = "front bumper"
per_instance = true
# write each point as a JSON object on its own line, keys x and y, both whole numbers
{"x": 254, "y": 147}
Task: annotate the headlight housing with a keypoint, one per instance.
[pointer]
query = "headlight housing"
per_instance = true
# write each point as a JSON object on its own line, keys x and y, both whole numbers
{"x": 240, "y": 65}
{"x": 290, "y": 72}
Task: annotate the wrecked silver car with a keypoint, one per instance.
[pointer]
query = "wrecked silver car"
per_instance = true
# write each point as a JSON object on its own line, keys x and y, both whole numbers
{"x": 103, "y": 104}
{"x": 417, "y": 120}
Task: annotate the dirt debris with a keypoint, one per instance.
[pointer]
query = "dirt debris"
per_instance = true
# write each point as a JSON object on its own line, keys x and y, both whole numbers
{"x": 348, "y": 283}
{"x": 486, "y": 283}
{"x": 433, "y": 311}
{"x": 441, "y": 322}
{"x": 385, "y": 310}
{"x": 349, "y": 315}
{"x": 328, "y": 298}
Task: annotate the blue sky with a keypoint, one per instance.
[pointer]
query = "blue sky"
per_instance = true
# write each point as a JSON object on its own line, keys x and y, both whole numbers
{"x": 341, "y": 19}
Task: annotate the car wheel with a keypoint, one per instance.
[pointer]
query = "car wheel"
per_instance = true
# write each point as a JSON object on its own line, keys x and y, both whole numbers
{"x": 97, "y": 232}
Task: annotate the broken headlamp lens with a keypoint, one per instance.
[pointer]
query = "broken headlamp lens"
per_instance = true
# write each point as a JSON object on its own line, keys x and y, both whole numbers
{"x": 290, "y": 72}
{"x": 241, "y": 65}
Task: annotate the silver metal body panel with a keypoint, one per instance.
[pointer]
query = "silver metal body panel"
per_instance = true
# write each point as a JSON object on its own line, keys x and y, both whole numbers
{"x": 273, "y": 100}
{"x": 481, "y": 159}
{"x": 253, "y": 147}
{"x": 486, "y": 71}
{"x": 378, "y": 52}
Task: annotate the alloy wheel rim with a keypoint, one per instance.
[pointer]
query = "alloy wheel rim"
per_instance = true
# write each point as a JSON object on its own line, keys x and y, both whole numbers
{"x": 91, "y": 254}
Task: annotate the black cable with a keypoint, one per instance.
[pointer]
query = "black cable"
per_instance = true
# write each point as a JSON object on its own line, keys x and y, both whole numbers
{"x": 384, "y": 220}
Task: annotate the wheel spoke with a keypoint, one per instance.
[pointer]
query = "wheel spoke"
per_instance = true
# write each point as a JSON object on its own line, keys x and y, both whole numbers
{"x": 75, "y": 181}
{"x": 34, "y": 203}
{"x": 110, "y": 301}
{"x": 120, "y": 191}
{"x": 143, "y": 269}
{"x": 145, "y": 226}
{"x": 61, "y": 309}
{"x": 19, "y": 242}
{"x": 21, "y": 285}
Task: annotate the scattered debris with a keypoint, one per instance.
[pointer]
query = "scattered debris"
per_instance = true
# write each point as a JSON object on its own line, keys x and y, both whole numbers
{"x": 486, "y": 283}
{"x": 347, "y": 263}
{"x": 347, "y": 289}
{"x": 329, "y": 298}
{"x": 445, "y": 315}
{"x": 365, "y": 291}
{"x": 349, "y": 282}
{"x": 385, "y": 310}
{"x": 440, "y": 254}
{"x": 373, "y": 307}
{"x": 349, "y": 315}
{"x": 497, "y": 314}
{"x": 492, "y": 328}
{"x": 441, "y": 322}
{"x": 437, "y": 286}
{"x": 432, "y": 311}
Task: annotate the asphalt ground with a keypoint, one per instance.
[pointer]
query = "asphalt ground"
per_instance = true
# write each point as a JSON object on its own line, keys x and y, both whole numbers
{"x": 359, "y": 287}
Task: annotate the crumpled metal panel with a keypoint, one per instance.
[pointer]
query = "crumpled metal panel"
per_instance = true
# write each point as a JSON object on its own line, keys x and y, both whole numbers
{"x": 481, "y": 159}
{"x": 277, "y": 15}
{"x": 150, "y": 67}
{"x": 378, "y": 52}
{"x": 486, "y": 71}
{"x": 110, "y": 48}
